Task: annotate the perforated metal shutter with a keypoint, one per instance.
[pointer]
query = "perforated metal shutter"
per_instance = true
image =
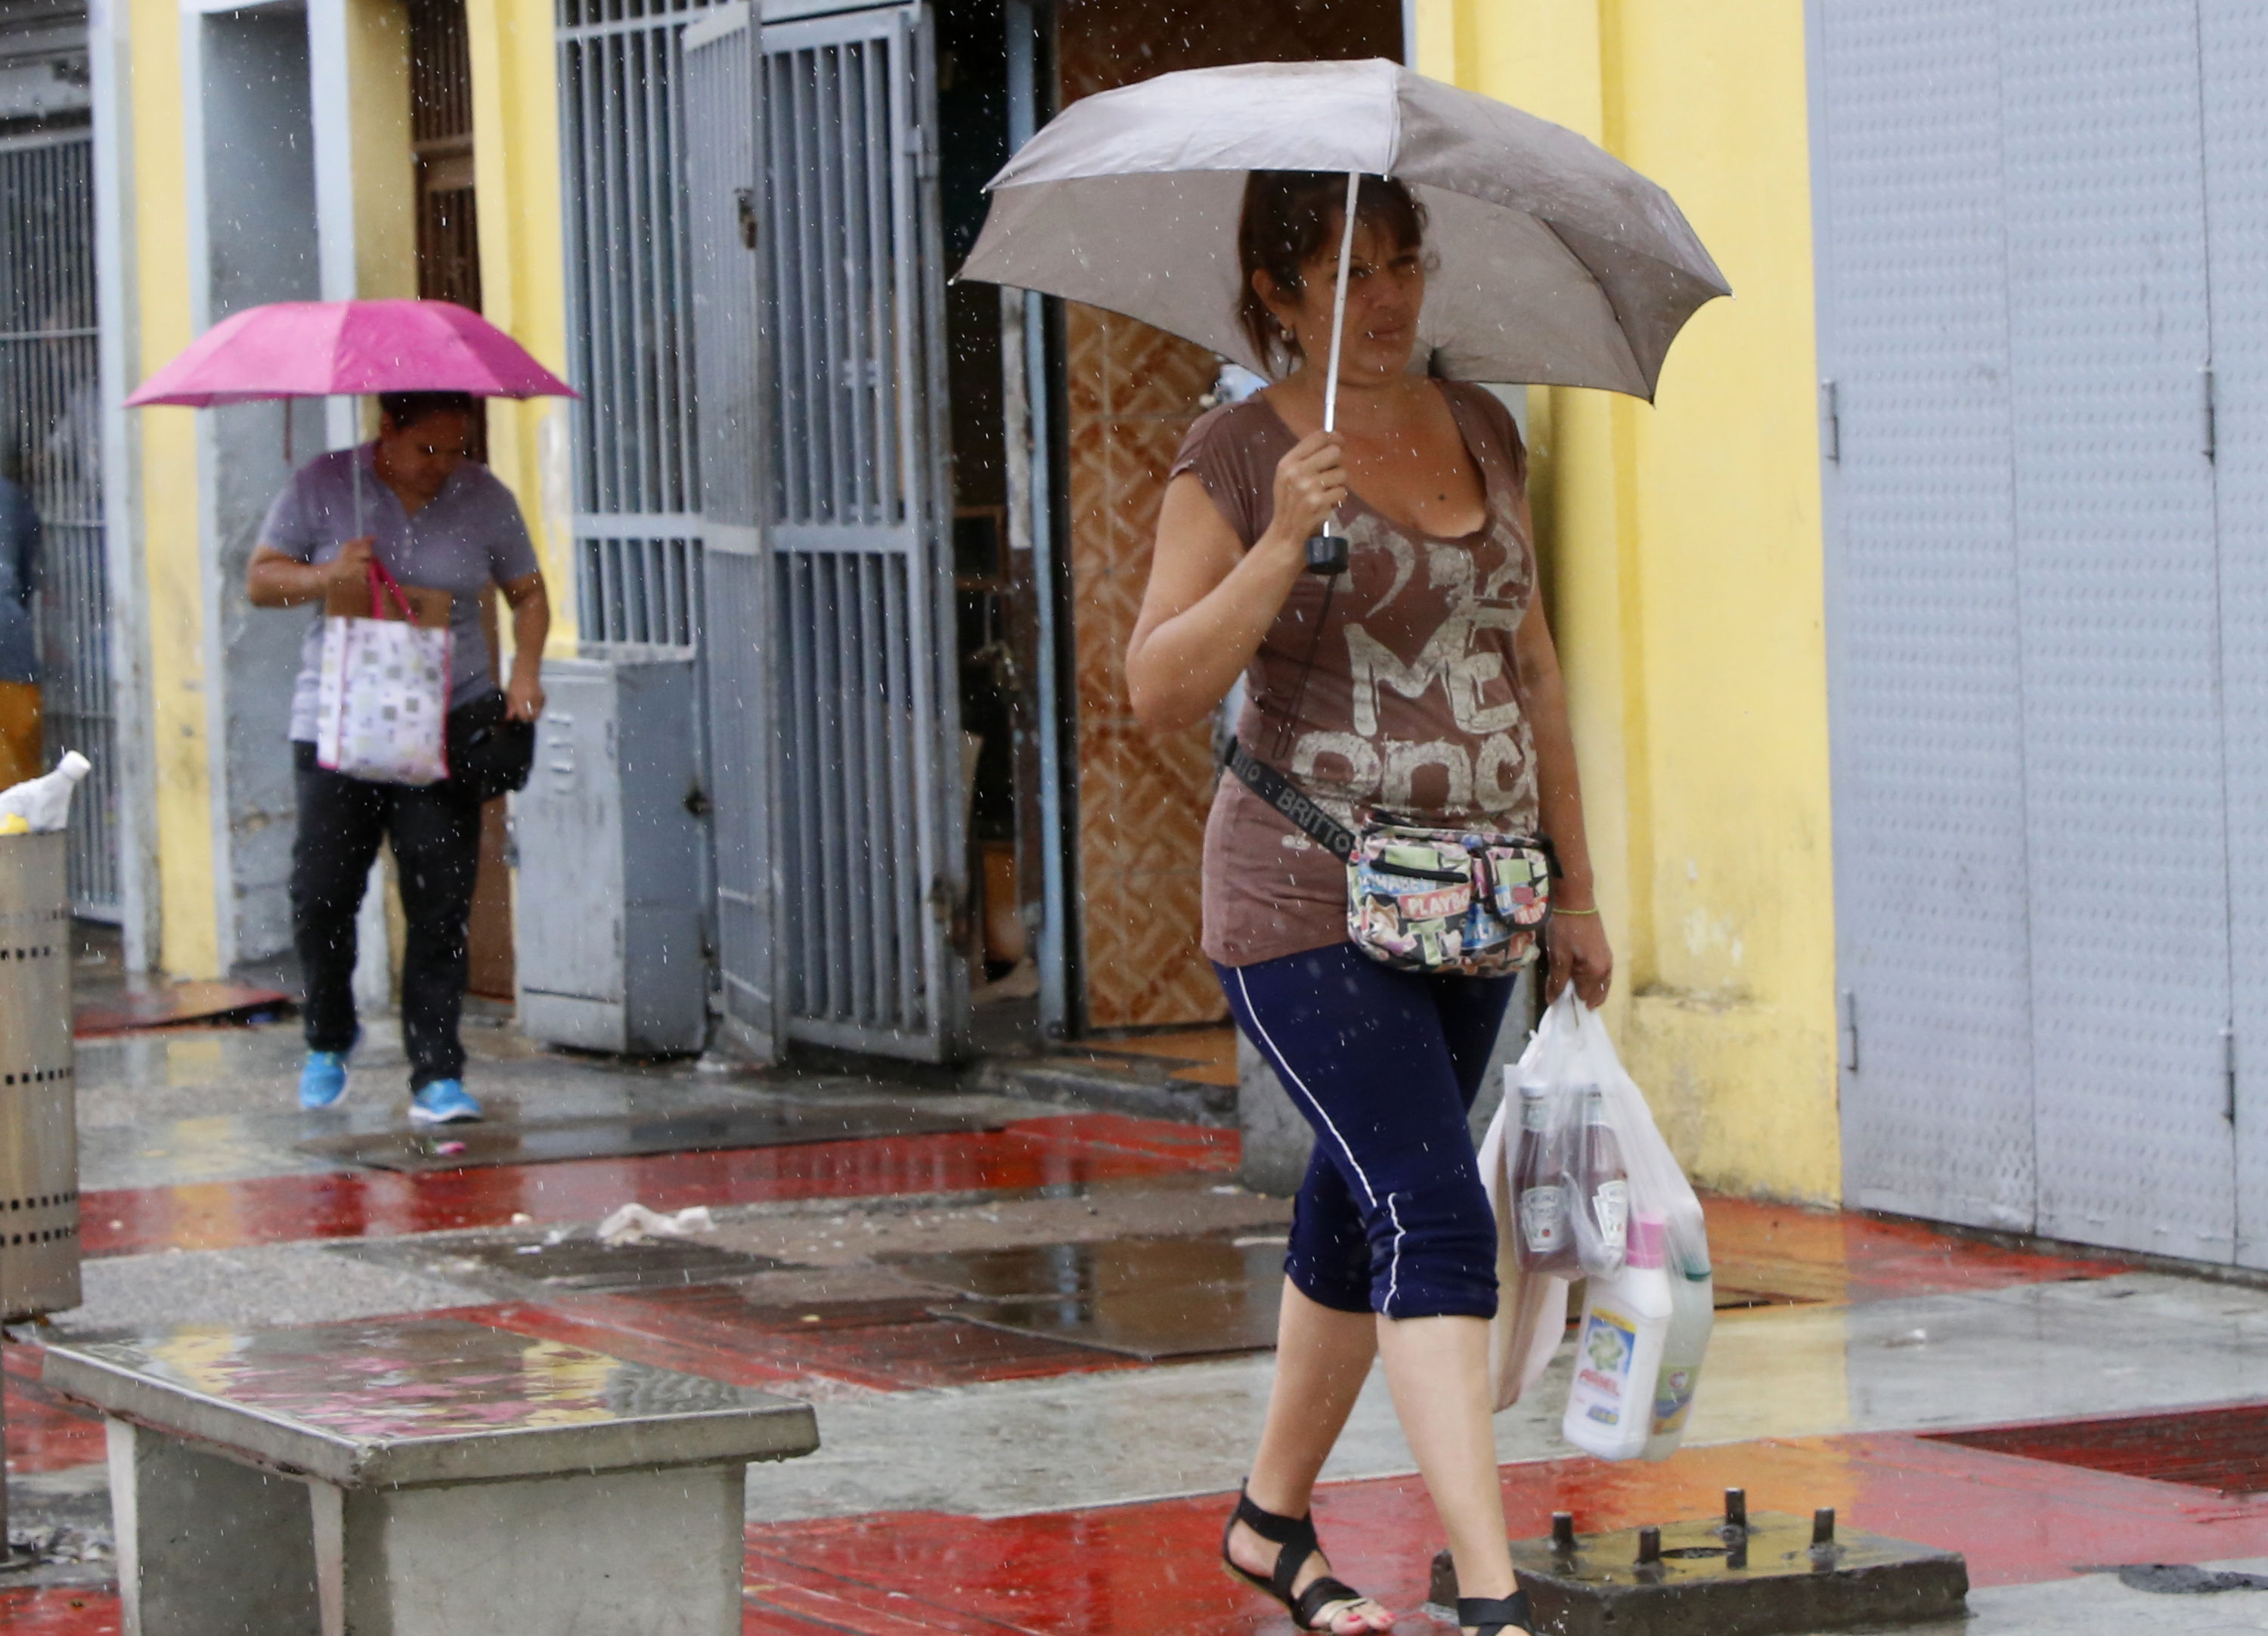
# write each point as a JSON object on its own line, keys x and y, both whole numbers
{"x": 2234, "y": 37}
{"x": 1925, "y": 686}
{"x": 868, "y": 819}
{"x": 2032, "y": 845}
{"x": 722, "y": 158}
{"x": 2119, "y": 596}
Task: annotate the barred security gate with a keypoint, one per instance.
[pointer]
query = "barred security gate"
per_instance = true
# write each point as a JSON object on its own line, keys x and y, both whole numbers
{"x": 638, "y": 529}
{"x": 50, "y": 418}
{"x": 846, "y": 601}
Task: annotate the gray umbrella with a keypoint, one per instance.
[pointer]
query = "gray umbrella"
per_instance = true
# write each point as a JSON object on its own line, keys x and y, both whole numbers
{"x": 1560, "y": 265}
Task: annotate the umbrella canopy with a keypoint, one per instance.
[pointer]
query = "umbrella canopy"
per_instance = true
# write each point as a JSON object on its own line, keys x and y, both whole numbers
{"x": 316, "y": 349}
{"x": 1560, "y": 265}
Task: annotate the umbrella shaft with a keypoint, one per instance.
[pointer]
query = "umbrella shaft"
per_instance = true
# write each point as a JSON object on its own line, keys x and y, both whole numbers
{"x": 1338, "y": 305}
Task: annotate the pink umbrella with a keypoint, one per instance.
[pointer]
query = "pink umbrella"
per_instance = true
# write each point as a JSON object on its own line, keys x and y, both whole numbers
{"x": 316, "y": 349}
{"x": 322, "y": 349}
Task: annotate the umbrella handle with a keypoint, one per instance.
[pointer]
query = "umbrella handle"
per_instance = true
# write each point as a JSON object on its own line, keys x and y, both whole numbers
{"x": 1327, "y": 552}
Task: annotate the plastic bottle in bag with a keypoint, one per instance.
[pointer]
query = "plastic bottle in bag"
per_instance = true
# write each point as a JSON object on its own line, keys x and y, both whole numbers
{"x": 44, "y": 803}
{"x": 1619, "y": 1351}
{"x": 1546, "y": 1230}
{"x": 1692, "y": 1315}
{"x": 1603, "y": 1194}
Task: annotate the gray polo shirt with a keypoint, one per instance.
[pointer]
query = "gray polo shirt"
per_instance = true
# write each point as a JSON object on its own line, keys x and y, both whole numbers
{"x": 465, "y": 536}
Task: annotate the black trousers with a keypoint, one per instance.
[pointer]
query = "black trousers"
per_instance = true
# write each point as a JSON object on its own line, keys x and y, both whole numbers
{"x": 435, "y": 832}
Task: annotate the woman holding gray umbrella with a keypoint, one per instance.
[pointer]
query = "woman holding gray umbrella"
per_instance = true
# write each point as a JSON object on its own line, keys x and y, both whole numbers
{"x": 1355, "y": 543}
{"x": 1426, "y": 684}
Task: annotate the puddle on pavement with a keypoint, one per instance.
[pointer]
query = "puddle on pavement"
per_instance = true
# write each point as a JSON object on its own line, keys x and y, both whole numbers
{"x": 1147, "y": 1298}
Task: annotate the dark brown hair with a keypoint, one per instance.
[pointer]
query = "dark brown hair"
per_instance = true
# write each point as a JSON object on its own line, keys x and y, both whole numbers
{"x": 1291, "y": 217}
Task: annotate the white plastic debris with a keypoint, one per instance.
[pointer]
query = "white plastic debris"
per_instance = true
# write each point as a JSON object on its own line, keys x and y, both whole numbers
{"x": 43, "y": 804}
{"x": 633, "y": 1224}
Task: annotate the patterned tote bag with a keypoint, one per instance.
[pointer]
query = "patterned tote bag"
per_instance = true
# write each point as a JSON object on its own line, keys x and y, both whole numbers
{"x": 383, "y": 694}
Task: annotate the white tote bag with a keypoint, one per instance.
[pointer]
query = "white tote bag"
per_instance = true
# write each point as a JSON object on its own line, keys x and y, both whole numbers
{"x": 383, "y": 694}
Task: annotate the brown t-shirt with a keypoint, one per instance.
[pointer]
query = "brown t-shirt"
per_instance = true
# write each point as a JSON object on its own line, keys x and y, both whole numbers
{"x": 1412, "y": 705}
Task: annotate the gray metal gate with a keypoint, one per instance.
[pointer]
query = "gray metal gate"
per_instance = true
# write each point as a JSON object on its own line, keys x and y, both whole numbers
{"x": 828, "y": 459}
{"x": 2035, "y": 828}
{"x": 51, "y": 416}
{"x": 637, "y": 500}
{"x": 869, "y": 821}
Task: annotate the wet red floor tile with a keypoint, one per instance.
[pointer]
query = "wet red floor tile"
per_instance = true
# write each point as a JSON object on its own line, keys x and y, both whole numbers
{"x": 1830, "y": 1255}
{"x": 57, "y": 1611}
{"x": 44, "y": 1432}
{"x": 1151, "y": 1566}
{"x": 362, "y": 1203}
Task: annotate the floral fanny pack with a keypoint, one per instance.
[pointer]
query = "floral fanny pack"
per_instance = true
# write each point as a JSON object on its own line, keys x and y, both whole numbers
{"x": 1467, "y": 901}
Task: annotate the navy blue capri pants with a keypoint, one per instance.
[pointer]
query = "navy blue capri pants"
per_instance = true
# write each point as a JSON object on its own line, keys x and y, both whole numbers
{"x": 1385, "y": 1064}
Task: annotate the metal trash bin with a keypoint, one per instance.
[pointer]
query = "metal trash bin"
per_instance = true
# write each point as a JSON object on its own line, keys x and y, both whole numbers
{"x": 39, "y": 1087}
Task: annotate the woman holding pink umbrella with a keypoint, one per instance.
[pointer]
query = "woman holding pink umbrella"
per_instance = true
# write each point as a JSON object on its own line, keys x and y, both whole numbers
{"x": 414, "y": 505}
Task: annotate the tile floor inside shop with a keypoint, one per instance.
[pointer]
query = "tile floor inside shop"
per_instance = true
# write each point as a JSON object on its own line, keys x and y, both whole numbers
{"x": 1027, "y": 1331}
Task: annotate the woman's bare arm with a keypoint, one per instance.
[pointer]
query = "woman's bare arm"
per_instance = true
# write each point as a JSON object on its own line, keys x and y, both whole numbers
{"x": 1209, "y": 601}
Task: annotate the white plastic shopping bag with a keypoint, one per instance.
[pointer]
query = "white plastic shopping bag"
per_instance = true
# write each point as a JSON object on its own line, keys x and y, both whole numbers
{"x": 1595, "y": 1175}
{"x": 1648, "y": 1297}
{"x": 382, "y": 695}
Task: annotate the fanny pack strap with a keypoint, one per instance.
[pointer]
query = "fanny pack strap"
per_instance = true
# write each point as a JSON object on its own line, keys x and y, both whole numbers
{"x": 1286, "y": 798}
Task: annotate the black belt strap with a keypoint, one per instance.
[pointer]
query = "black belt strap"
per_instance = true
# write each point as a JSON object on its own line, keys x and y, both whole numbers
{"x": 1281, "y": 794}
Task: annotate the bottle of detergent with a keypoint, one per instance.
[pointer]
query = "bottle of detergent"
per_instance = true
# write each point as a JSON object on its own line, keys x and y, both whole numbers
{"x": 1618, "y": 1351}
{"x": 1692, "y": 1315}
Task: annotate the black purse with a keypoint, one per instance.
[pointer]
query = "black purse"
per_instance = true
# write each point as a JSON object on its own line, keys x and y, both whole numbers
{"x": 489, "y": 753}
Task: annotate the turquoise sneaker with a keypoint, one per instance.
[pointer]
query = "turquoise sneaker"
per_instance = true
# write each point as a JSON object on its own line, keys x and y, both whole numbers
{"x": 323, "y": 1079}
{"x": 444, "y": 1101}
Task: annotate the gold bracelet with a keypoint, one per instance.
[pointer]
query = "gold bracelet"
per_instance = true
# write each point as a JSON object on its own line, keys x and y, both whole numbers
{"x": 1574, "y": 911}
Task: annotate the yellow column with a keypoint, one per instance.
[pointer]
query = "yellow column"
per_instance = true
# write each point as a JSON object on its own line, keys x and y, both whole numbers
{"x": 523, "y": 266}
{"x": 385, "y": 177}
{"x": 189, "y": 943}
{"x": 1682, "y": 556}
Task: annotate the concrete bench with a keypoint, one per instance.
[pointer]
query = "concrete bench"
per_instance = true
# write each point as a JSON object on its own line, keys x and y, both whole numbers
{"x": 421, "y": 1477}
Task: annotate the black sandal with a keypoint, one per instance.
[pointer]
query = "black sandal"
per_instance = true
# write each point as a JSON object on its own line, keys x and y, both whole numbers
{"x": 1488, "y": 1615}
{"x": 1296, "y": 1538}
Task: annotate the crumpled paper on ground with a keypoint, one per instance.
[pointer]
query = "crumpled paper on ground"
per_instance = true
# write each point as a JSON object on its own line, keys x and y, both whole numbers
{"x": 635, "y": 1224}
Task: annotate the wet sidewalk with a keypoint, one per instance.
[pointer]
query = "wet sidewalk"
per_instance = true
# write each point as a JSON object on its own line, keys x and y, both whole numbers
{"x": 1036, "y": 1336}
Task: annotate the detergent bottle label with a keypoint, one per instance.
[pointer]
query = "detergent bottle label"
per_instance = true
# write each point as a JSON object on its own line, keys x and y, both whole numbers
{"x": 1672, "y": 1398}
{"x": 1602, "y": 1365}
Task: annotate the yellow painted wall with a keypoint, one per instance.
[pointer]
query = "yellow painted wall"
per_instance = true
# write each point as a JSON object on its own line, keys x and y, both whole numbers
{"x": 190, "y": 942}
{"x": 523, "y": 268}
{"x": 385, "y": 174}
{"x": 1682, "y": 562}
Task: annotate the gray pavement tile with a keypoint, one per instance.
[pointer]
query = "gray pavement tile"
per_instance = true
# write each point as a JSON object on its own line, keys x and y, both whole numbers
{"x": 271, "y": 1285}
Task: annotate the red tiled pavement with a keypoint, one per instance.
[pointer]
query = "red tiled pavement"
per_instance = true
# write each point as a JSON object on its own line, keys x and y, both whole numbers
{"x": 1150, "y": 1566}
{"x": 377, "y": 1204}
{"x": 61, "y": 1612}
{"x": 1833, "y": 1256}
{"x": 44, "y": 1432}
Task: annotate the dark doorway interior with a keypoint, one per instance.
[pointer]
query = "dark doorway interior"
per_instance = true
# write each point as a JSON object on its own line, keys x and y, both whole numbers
{"x": 993, "y": 600}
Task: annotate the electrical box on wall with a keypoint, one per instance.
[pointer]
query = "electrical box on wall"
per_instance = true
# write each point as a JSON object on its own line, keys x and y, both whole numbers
{"x": 607, "y": 909}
